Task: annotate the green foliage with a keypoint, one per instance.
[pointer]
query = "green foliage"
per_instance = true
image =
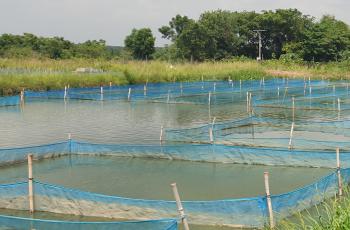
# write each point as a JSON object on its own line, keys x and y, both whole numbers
{"x": 327, "y": 40}
{"x": 219, "y": 35}
{"x": 140, "y": 43}
{"x": 27, "y": 45}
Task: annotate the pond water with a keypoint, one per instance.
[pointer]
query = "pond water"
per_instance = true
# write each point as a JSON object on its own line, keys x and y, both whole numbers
{"x": 44, "y": 122}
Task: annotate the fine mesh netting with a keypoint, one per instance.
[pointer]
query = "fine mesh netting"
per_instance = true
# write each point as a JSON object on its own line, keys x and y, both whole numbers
{"x": 11, "y": 222}
{"x": 262, "y": 138}
{"x": 9, "y": 101}
{"x": 256, "y": 131}
{"x": 184, "y": 151}
{"x": 221, "y": 92}
{"x": 246, "y": 212}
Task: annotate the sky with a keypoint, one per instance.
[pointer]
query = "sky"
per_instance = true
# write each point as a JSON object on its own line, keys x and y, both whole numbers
{"x": 113, "y": 20}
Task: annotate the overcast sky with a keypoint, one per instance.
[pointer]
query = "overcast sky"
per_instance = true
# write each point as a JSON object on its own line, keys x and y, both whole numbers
{"x": 112, "y": 20}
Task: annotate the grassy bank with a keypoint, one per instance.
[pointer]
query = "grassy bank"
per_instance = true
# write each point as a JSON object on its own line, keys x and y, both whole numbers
{"x": 334, "y": 214}
{"x": 46, "y": 74}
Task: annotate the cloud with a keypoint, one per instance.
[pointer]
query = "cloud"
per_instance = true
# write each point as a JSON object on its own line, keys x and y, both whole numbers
{"x": 112, "y": 20}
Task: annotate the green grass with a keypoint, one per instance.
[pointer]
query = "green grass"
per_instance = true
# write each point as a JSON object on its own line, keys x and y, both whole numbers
{"x": 334, "y": 214}
{"x": 46, "y": 74}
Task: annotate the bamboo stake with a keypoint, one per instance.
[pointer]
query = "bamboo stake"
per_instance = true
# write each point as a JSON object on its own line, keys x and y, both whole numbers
{"x": 291, "y": 136}
{"x": 179, "y": 207}
{"x": 129, "y": 94}
{"x": 30, "y": 183}
{"x": 168, "y": 98}
{"x": 268, "y": 199}
{"x": 209, "y": 98}
{"x": 161, "y": 134}
{"x": 340, "y": 186}
{"x": 211, "y": 136}
{"x": 65, "y": 92}
{"x": 247, "y": 102}
{"x": 22, "y": 96}
{"x": 250, "y": 103}
{"x": 293, "y": 107}
{"x": 213, "y": 123}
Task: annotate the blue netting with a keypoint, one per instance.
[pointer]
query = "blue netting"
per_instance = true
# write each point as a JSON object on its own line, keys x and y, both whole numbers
{"x": 18, "y": 223}
{"x": 269, "y": 132}
{"x": 247, "y": 212}
{"x": 10, "y": 101}
{"x": 184, "y": 92}
{"x": 287, "y": 204}
{"x": 182, "y": 151}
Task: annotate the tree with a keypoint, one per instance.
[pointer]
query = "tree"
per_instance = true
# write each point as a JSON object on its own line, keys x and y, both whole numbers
{"x": 282, "y": 26}
{"x": 326, "y": 40}
{"x": 176, "y": 25}
{"x": 194, "y": 42}
{"x": 140, "y": 43}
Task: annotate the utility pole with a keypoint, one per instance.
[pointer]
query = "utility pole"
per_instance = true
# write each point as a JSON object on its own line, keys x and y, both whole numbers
{"x": 260, "y": 43}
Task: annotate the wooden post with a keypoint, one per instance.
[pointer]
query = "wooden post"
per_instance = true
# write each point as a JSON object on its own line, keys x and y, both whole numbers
{"x": 310, "y": 90}
{"x": 22, "y": 96}
{"x": 340, "y": 186}
{"x": 213, "y": 123}
{"x": 30, "y": 183}
{"x": 129, "y": 94}
{"x": 181, "y": 88}
{"x": 338, "y": 104}
{"x": 278, "y": 92}
{"x": 65, "y": 92}
{"x": 334, "y": 90}
{"x": 240, "y": 85}
{"x": 211, "y": 136}
{"x": 293, "y": 107}
{"x": 209, "y": 98}
{"x": 309, "y": 81}
{"x": 179, "y": 207}
{"x": 214, "y": 86}
{"x": 110, "y": 84}
{"x": 101, "y": 89}
{"x": 268, "y": 199}
{"x": 304, "y": 88}
{"x": 161, "y": 133}
{"x": 250, "y": 103}
{"x": 291, "y": 136}
{"x": 247, "y": 102}
{"x": 168, "y": 99}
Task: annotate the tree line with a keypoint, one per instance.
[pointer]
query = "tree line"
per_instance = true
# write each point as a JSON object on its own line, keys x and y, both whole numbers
{"x": 216, "y": 35}
{"x": 288, "y": 34}
{"x": 29, "y": 45}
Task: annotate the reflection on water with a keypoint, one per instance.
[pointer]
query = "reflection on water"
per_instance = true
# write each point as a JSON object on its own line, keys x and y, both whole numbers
{"x": 112, "y": 122}
{"x": 151, "y": 178}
